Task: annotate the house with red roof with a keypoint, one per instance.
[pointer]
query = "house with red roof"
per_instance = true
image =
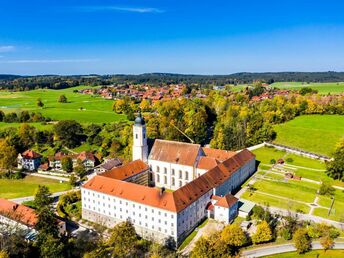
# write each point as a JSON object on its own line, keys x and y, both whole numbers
{"x": 29, "y": 160}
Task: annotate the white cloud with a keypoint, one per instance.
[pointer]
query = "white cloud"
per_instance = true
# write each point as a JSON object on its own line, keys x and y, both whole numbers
{"x": 6, "y": 49}
{"x": 47, "y": 61}
{"x": 121, "y": 9}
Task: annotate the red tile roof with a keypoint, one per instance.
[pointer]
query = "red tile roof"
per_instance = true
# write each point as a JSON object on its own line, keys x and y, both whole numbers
{"x": 18, "y": 212}
{"x": 207, "y": 163}
{"x": 175, "y": 152}
{"x": 218, "y": 154}
{"x": 226, "y": 201}
{"x": 86, "y": 155}
{"x": 128, "y": 170}
{"x": 172, "y": 201}
{"x": 30, "y": 154}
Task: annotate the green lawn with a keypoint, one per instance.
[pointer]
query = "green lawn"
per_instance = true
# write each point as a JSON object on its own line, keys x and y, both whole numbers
{"x": 311, "y": 254}
{"x": 314, "y": 133}
{"x": 323, "y": 88}
{"x": 265, "y": 154}
{"x": 95, "y": 109}
{"x": 275, "y": 202}
{"x": 10, "y": 188}
{"x": 338, "y": 206}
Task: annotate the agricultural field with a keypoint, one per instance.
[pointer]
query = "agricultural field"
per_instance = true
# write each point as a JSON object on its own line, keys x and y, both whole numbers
{"x": 271, "y": 188}
{"x": 80, "y": 107}
{"x": 323, "y": 88}
{"x": 16, "y": 188}
{"x": 314, "y": 133}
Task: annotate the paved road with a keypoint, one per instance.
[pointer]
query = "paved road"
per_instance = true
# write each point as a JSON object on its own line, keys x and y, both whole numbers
{"x": 277, "y": 249}
{"x": 31, "y": 198}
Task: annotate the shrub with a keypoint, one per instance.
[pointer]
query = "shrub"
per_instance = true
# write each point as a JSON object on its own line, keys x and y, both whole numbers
{"x": 272, "y": 161}
{"x": 290, "y": 160}
{"x": 302, "y": 241}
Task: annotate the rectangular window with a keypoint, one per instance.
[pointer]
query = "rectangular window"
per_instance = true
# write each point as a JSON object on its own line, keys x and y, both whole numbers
{"x": 165, "y": 170}
{"x": 180, "y": 174}
{"x": 165, "y": 179}
{"x": 173, "y": 181}
{"x": 172, "y": 172}
{"x": 136, "y": 136}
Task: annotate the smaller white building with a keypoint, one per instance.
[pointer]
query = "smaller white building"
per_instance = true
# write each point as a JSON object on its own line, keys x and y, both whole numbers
{"x": 140, "y": 146}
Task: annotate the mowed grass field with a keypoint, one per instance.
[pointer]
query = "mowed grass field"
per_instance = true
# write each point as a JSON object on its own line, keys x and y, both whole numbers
{"x": 95, "y": 109}
{"x": 314, "y": 133}
{"x": 272, "y": 189}
{"x": 323, "y": 88}
{"x": 11, "y": 188}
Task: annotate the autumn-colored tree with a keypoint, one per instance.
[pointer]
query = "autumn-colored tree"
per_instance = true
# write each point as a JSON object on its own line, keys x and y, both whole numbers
{"x": 302, "y": 241}
{"x": 123, "y": 239}
{"x": 62, "y": 99}
{"x": 8, "y": 155}
{"x": 327, "y": 242}
{"x": 263, "y": 233}
{"x": 4, "y": 254}
{"x": 201, "y": 248}
{"x": 233, "y": 235}
{"x": 145, "y": 105}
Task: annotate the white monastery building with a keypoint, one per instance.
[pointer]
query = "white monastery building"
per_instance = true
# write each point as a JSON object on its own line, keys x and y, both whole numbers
{"x": 166, "y": 193}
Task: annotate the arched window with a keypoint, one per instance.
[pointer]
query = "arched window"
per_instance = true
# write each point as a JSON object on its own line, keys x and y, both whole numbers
{"x": 158, "y": 178}
{"x": 136, "y": 136}
{"x": 173, "y": 181}
{"x": 180, "y": 174}
{"x": 186, "y": 175}
{"x": 165, "y": 179}
{"x": 157, "y": 169}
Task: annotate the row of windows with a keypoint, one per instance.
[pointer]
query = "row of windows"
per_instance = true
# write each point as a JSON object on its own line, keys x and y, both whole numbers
{"x": 173, "y": 181}
{"x": 186, "y": 176}
{"x": 126, "y": 204}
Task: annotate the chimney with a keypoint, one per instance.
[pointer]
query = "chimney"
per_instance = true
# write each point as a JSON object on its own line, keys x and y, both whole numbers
{"x": 162, "y": 190}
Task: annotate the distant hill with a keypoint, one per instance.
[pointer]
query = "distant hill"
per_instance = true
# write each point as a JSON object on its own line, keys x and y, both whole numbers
{"x": 60, "y": 82}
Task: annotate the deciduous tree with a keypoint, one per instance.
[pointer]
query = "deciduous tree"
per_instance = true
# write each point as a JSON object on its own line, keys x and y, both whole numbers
{"x": 233, "y": 235}
{"x": 67, "y": 164}
{"x": 302, "y": 241}
{"x": 335, "y": 168}
{"x": 8, "y": 155}
{"x": 263, "y": 233}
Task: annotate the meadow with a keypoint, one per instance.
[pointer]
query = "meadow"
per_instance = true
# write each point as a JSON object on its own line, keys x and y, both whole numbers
{"x": 16, "y": 188}
{"x": 80, "y": 107}
{"x": 314, "y": 133}
{"x": 311, "y": 254}
{"x": 322, "y": 88}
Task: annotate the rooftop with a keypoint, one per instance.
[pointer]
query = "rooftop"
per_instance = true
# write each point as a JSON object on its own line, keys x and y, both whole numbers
{"x": 127, "y": 170}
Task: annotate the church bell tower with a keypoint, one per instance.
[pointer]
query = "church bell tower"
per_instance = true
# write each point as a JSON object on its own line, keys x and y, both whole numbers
{"x": 140, "y": 147}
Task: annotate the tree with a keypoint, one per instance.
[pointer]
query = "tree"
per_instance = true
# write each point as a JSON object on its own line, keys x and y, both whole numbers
{"x": 27, "y": 135}
{"x": 233, "y": 235}
{"x": 80, "y": 169}
{"x": 46, "y": 222}
{"x": 4, "y": 254}
{"x": 69, "y": 133}
{"x": 51, "y": 247}
{"x": 73, "y": 180}
{"x": 123, "y": 239}
{"x": 201, "y": 249}
{"x": 327, "y": 242}
{"x": 326, "y": 189}
{"x": 335, "y": 168}
{"x": 302, "y": 241}
{"x": 8, "y": 155}
{"x": 2, "y": 115}
{"x": 62, "y": 99}
{"x": 40, "y": 103}
{"x": 263, "y": 233}
{"x": 67, "y": 164}
{"x": 42, "y": 197}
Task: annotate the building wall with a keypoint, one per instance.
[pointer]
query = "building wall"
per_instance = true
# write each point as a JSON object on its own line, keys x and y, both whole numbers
{"x": 109, "y": 210}
{"x": 226, "y": 215}
{"x": 169, "y": 175}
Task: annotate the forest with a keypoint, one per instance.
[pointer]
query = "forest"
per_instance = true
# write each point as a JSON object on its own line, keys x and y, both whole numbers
{"x": 16, "y": 82}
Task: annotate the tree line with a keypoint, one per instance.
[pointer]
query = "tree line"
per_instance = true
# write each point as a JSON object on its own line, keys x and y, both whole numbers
{"x": 15, "y": 82}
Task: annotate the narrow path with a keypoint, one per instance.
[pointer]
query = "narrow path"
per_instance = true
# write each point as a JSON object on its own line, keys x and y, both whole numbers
{"x": 31, "y": 198}
{"x": 63, "y": 179}
{"x": 314, "y": 169}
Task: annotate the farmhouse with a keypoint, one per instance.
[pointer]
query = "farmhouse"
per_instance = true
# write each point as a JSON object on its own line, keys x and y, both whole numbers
{"x": 29, "y": 160}
{"x": 142, "y": 191}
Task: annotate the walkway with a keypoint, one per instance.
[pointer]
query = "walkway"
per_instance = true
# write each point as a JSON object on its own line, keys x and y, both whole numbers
{"x": 277, "y": 249}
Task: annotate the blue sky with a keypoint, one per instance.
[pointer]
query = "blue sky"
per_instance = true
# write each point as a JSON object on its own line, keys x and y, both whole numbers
{"x": 189, "y": 36}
